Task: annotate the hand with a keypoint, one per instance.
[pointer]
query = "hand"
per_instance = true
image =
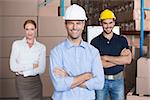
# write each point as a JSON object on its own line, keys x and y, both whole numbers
{"x": 82, "y": 85}
{"x": 35, "y": 66}
{"x": 60, "y": 72}
{"x": 105, "y": 58}
{"x": 88, "y": 75}
{"x": 125, "y": 52}
{"x": 80, "y": 79}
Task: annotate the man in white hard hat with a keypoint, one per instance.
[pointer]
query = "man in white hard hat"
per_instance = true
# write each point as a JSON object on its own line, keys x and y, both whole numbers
{"x": 75, "y": 67}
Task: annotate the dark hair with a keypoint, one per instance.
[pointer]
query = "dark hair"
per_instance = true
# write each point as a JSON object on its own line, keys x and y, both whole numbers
{"x": 29, "y": 21}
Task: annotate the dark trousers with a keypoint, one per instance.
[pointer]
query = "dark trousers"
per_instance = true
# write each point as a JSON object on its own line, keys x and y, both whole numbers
{"x": 29, "y": 88}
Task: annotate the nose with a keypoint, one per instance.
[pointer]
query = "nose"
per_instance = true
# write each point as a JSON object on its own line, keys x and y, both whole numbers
{"x": 74, "y": 26}
{"x": 108, "y": 25}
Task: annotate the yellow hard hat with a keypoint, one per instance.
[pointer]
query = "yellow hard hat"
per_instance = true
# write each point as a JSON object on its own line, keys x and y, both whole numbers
{"x": 107, "y": 14}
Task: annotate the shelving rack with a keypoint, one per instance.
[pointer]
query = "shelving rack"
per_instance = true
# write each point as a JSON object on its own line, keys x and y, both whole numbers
{"x": 142, "y": 27}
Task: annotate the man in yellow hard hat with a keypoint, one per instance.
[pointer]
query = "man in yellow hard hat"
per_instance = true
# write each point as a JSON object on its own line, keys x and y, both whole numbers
{"x": 115, "y": 54}
{"x": 75, "y": 67}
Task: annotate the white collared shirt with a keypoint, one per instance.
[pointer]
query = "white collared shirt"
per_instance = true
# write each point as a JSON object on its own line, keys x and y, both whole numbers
{"x": 22, "y": 58}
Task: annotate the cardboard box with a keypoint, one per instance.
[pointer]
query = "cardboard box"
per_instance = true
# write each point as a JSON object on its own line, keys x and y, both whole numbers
{"x": 130, "y": 75}
{"x": 1, "y": 10}
{"x": 146, "y": 25}
{"x": 50, "y": 42}
{"x": 0, "y": 68}
{"x": 7, "y": 45}
{"x": 13, "y": 26}
{"x": 8, "y": 88}
{"x": 5, "y": 69}
{"x": 48, "y": 10}
{"x": 67, "y": 2}
{"x": 47, "y": 86}
{"x": 54, "y": 3}
{"x": 46, "y": 73}
{"x": 133, "y": 40}
{"x": 19, "y": 7}
{"x": 147, "y": 14}
{"x": 143, "y": 67}
{"x": 51, "y": 26}
{"x": 0, "y": 88}
{"x": 52, "y": 8}
{"x": 137, "y": 14}
{"x": 0, "y": 47}
{"x": 143, "y": 85}
{"x": 132, "y": 96}
{"x": 137, "y": 4}
{"x": 1, "y": 26}
{"x": 42, "y": 3}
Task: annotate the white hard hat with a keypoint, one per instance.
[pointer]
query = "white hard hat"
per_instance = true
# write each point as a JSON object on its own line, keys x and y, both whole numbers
{"x": 75, "y": 12}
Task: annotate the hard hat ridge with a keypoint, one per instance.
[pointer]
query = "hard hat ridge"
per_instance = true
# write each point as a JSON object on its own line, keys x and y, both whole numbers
{"x": 75, "y": 12}
{"x": 107, "y": 14}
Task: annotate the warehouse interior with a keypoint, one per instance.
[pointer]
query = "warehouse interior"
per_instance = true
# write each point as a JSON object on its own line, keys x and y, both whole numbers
{"x": 48, "y": 14}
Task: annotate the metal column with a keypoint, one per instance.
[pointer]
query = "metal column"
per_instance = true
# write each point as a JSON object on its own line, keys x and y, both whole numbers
{"x": 63, "y": 7}
{"x": 142, "y": 27}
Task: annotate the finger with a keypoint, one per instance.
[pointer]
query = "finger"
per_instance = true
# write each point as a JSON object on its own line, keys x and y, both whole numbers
{"x": 59, "y": 72}
{"x": 60, "y": 69}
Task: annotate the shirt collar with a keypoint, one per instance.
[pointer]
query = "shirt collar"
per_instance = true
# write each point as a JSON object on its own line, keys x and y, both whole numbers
{"x": 114, "y": 35}
{"x": 69, "y": 44}
{"x": 25, "y": 40}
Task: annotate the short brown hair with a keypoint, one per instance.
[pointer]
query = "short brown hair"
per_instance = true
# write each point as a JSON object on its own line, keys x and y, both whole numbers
{"x": 29, "y": 21}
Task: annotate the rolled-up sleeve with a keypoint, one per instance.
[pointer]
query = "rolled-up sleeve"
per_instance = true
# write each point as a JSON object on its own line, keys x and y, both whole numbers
{"x": 59, "y": 83}
{"x": 97, "y": 82}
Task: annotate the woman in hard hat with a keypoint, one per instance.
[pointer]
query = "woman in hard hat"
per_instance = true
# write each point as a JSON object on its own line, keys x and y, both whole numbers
{"x": 115, "y": 53}
{"x": 75, "y": 66}
{"x": 27, "y": 61}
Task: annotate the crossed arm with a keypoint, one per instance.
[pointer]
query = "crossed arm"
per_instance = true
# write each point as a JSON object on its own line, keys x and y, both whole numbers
{"x": 63, "y": 80}
{"x": 79, "y": 81}
{"x": 110, "y": 61}
{"x": 18, "y": 67}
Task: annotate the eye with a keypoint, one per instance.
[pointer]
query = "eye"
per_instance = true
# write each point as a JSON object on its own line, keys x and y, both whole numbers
{"x": 79, "y": 23}
{"x": 26, "y": 29}
{"x": 32, "y": 29}
{"x": 69, "y": 23}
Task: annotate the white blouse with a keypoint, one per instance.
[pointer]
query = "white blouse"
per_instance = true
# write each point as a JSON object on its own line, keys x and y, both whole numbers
{"x": 22, "y": 58}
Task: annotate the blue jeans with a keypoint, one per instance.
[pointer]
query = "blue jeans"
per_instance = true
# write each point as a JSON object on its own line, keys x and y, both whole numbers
{"x": 112, "y": 88}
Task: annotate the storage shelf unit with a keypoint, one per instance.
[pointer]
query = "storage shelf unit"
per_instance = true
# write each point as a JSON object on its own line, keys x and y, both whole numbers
{"x": 142, "y": 26}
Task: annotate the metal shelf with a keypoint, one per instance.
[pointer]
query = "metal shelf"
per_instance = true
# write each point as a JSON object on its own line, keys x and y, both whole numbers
{"x": 142, "y": 27}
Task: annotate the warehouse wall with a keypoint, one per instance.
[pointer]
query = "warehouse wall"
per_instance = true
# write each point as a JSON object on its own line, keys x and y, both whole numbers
{"x": 51, "y": 31}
